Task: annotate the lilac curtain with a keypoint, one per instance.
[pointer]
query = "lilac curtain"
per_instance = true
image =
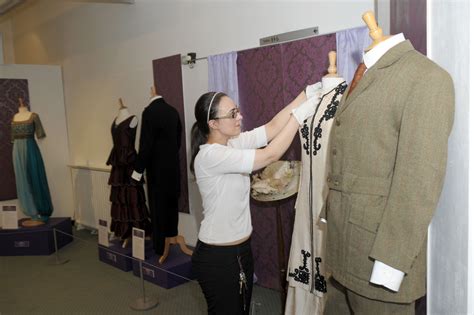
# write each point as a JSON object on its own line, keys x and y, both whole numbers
{"x": 222, "y": 74}
{"x": 269, "y": 78}
{"x": 10, "y": 91}
{"x": 350, "y": 49}
{"x": 168, "y": 81}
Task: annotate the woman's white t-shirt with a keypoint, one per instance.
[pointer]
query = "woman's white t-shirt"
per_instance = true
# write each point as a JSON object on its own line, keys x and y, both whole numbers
{"x": 223, "y": 177}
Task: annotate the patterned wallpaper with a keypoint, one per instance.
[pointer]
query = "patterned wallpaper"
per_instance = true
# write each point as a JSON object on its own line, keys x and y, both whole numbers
{"x": 10, "y": 91}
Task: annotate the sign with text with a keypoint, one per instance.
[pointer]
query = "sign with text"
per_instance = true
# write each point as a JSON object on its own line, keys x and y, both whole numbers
{"x": 103, "y": 233}
{"x": 9, "y": 217}
{"x": 138, "y": 243}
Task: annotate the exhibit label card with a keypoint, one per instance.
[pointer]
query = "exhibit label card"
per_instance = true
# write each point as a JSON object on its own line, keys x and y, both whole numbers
{"x": 103, "y": 233}
{"x": 138, "y": 243}
{"x": 9, "y": 217}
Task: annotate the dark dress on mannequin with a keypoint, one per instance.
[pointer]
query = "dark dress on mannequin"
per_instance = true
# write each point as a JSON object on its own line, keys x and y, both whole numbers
{"x": 160, "y": 141}
{"x": 129, "y": 208}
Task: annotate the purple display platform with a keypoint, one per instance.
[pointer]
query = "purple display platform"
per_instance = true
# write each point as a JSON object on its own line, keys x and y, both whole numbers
{"x": 119, "y": 257}
{"x": 114, "y": 255}
{"x": 166, "y": 275}
{"x": 34, "y": 241}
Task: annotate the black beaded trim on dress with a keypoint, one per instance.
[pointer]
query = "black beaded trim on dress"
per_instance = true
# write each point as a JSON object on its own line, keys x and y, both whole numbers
{"x": 328, "y": 114}
{"x": 301, "y": 274}
{"x": 319, "y": 281}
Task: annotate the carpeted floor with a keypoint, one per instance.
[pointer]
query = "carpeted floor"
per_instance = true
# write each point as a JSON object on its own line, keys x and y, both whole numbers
{"x": 84, "y": 285}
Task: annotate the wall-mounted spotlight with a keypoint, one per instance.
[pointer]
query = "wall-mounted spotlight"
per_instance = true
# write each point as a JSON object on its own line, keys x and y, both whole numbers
{"x": 189, "y": 59}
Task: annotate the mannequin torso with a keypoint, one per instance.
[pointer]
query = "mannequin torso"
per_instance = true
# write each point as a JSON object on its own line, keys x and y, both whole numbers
{"x": 23, "y": 115}
{"x": 122, "y": 115}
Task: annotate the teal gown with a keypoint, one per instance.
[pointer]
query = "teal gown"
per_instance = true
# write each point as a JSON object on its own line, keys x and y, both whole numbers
{"x": 31, "y": 182}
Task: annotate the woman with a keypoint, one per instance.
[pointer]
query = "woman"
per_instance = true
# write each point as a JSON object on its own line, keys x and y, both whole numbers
{"x": 222, "y": 158}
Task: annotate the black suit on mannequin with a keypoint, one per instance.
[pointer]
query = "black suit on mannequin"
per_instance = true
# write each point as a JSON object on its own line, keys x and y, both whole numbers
{"x": 160, "y": 141}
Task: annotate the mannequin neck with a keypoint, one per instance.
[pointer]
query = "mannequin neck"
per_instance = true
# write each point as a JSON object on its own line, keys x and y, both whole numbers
{"x": 329, "y": 82}
{"x": 23, "y": 109}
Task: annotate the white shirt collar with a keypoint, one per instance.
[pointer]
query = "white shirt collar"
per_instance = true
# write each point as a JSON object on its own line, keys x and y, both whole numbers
{"x": 155, "y": 98}
{"x": 373, "y": 55}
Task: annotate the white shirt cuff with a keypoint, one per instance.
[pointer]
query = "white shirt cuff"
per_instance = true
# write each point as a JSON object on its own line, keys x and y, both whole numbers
{"x": 136, "y": 176}
{"x": 386, "y": 276}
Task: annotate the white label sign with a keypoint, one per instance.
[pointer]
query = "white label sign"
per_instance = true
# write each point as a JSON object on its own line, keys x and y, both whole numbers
{"x": 103, "y": 233}
{"x": 9, "y": 217}
{"x": 138, "y": 243}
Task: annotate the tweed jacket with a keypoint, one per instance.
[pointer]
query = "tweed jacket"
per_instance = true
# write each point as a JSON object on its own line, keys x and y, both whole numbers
{"x": 388, "y": 158}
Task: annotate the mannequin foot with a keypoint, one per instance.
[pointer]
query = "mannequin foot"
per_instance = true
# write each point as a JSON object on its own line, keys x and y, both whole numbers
{"x": 32, "y": 223}
{"x": 125, "y": 242}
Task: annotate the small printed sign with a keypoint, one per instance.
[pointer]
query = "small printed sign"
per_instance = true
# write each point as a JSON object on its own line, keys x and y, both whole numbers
{"x": 103, "y": 233}
{"x": 9, "y": 217}
{"x": 148, "y": 272}
{"x": 138, "y": 243}
{"x": 22, "y": 244}
{"x": 111, "y": 257}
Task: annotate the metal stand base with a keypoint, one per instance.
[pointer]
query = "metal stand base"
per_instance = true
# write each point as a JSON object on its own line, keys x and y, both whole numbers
{"x": 144, "y": 304}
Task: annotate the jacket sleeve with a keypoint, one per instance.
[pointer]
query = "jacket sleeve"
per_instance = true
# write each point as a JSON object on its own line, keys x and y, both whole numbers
{"x": 419, "y": 171}
{"x": 146, "y": 143}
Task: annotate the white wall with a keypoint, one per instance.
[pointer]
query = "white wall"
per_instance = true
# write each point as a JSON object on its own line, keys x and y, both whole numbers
{"x": 47, "y": 100}
{"x": 383, "y": 14}
{"x": 7, "y": 44}
{"x": 2, "y": 59}
{"x": 449, "y": 288}
{"x": 106, "y": 52}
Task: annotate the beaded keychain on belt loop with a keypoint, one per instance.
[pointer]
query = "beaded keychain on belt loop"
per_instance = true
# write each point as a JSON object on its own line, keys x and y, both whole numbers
{"x": 242, "y": 281}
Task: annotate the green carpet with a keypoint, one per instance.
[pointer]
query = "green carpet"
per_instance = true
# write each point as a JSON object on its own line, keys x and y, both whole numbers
{"x": 84, "y": 285}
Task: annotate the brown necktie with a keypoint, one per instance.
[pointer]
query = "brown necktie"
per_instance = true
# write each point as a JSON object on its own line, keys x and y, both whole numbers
{"x": 357, "y": 76}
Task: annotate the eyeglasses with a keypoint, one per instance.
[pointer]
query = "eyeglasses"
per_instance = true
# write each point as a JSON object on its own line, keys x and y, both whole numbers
{"x": 232, "y": 114}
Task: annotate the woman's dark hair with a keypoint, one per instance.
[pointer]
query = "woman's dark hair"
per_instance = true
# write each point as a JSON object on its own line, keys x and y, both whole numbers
{"x": 200, "y": 129}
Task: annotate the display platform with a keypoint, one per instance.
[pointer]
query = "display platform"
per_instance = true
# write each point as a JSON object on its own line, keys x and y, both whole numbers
{"x": 166, "y": 275}
{"x": 116, "y": 256}
{"x": 38, "y": 240}
{"x": 119, "y": 257}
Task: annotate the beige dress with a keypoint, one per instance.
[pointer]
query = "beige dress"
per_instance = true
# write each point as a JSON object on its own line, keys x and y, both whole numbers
{"x": 306, "y": 276}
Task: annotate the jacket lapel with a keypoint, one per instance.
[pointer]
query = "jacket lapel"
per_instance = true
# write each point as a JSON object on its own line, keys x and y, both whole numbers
{"x": 387, "y": 60}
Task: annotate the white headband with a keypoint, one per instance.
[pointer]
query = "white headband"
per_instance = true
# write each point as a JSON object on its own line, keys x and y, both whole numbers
{"x": 210, "y": 104}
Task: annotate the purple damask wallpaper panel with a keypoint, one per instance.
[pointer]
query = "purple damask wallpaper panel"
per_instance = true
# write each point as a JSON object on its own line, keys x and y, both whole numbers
{"x": 10, "y": 91}
{"x": 305, "y": 62}
{"x": 168, "y": 82}
{"x": 261, "y": 97}
{"x": 409, "y": 17}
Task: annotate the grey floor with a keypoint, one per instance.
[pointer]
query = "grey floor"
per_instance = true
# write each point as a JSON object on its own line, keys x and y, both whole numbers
{"x": 84, "y": 285}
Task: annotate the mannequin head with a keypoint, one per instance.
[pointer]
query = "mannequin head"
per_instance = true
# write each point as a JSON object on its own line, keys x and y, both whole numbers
{"x": 375, "y": 32}
{"x": 20, "y": 101}
{"x": 121, "y": 104}
{"x": 153, "y": 91}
